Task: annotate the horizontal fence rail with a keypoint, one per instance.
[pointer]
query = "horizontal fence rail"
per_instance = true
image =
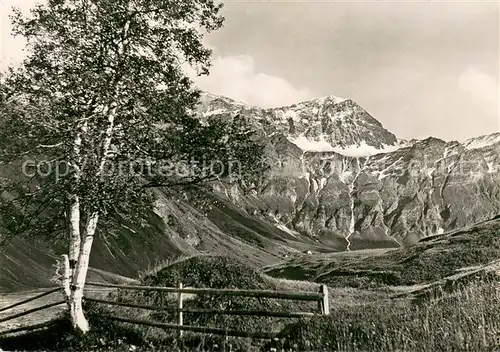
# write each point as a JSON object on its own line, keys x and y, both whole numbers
{"x": 297, "y": 296}
{"x": 320, "y": 297}
{"x": 206, "y": 330}
{"x": 29, "y": 328}
{"x": 30, "y": 299}
{"x": 29, "y": 311}
{"x": 261, "y": 313}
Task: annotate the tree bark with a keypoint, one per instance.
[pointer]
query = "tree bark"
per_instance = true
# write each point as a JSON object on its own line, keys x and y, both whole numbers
{"x": 74, "y": 208}
{"x": 69, "y": 263}
{"x": 78, "y": 319}
{"x": 65, "y": 272}
{"x": 74, "y": 228}
{"x": 84, "y": 243}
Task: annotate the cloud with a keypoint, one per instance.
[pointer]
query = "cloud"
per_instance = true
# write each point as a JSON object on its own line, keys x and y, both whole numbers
{"x": 483, "y": 88}
{"x": 237, "y": 78}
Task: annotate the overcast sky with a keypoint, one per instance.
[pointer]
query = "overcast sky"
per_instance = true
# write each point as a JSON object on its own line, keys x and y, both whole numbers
{"x": 421, "y": 68}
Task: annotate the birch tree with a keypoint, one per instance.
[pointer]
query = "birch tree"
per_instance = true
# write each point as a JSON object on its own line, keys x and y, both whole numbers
{"x": 100, "y": 113}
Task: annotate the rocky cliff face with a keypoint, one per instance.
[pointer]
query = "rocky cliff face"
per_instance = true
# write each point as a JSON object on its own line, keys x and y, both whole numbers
{"x": 339, "y": 177}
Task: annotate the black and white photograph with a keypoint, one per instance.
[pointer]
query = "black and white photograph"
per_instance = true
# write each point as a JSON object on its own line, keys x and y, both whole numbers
{"x": 250, "y": 175}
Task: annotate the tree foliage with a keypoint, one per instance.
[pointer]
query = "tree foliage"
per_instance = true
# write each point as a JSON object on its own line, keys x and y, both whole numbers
{"x": 102, "y": 109}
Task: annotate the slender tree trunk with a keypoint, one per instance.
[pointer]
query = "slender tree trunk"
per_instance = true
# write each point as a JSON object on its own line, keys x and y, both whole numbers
{"x": 84, "y": 242}
{"x": 81, "y": 245}
{"x": 65, "y": 278}
{"x": 74, "y": 228}
{"x": 69, "y": 263}
{"x": 78, "y": 319}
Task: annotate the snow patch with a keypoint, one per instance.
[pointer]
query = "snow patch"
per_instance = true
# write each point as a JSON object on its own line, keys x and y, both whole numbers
{"x": 352, "y": 222}
{"x": 322, "y": 182}
{"x": 385, "y": 172}
{"x": 356, "y": 151}
{"x": 310, "y": 144}
{"x": 381, "y": 175}
{"x": 214, "y": 112}
{"x": 305, "y": 175}
{"x": 482, "y": 142}
{"x": 292, "y": 114}
{"x": 428, "y": 171}
{"x": 315, "y": 185}
{"x": 364, "y": 150}
{"x": 345, "y": 176}
{"x": 332, "y": 98}
{"x": 491, "y": 168}
{"x": 207, "y": 97}
{"x": 339, "y": 115}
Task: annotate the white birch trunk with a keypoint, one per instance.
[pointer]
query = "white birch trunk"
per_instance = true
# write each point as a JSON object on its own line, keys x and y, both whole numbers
{"x": 74, "y": 236}
{"x": 78, "y": 319}
{"x": 79, "y": 276}
{"x": 81, "y": 246}
{"x": 68, "y": 264}
{"x": 74, "y": 211}
{"x": 65, "y": 278}
{"x": 79, "y": 273}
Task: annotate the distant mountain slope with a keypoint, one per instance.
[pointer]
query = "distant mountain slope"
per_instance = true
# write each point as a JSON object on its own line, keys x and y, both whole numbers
{"x": 442, "y": 256}
{"x": 176, "y": 229}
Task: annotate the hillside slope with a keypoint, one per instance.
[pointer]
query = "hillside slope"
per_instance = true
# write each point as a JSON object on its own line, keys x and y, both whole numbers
{"x": 176, "y": 229}
{"x": 430, "y": 260}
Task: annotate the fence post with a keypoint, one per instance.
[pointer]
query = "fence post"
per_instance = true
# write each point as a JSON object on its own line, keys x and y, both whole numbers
{"x": 323, "y": 303}
{"x": 180, "y": 321}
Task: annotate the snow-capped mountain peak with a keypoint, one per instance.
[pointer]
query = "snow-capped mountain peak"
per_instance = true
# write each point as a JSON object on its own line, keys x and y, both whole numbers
{"x": 325, "y": 100}
{"x": 322, "y": 124}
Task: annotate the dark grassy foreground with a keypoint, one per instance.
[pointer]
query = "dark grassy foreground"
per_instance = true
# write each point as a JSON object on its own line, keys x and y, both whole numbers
{"x": 467, "y": 319}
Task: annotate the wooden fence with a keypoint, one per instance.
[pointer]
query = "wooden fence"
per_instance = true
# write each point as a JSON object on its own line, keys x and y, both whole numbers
{"x": 321, "y": 297}
{"x": 29, "y": 311}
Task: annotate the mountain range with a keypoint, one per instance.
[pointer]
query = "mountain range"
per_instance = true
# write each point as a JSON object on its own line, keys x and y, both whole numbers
{"x": 346, "y": 181}
{"x": 338, "y": 181}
